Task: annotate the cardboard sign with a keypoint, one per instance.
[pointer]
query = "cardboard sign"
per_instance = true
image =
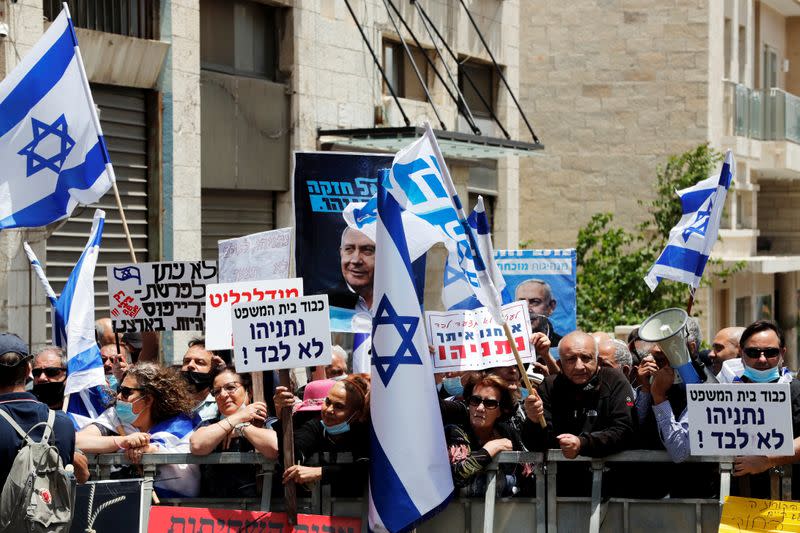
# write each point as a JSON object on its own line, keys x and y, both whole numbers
{"x": 750, "y": 514}
{"x": 255, "y": 257}
{"x": 159, "y": 296}
{"x": 472, "y": 340}
{"x": 740, "y": 419}
{"x": 282, "y": 334}
{"x": 221, "y": 296}
{"x": 170, "y": 519}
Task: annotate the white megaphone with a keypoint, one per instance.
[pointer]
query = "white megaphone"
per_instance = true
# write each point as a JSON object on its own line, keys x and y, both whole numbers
{"x": 667, "y": 328}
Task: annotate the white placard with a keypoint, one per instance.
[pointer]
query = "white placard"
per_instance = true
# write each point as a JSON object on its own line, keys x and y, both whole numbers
{"x": 472, "y": 340}
{"x": 163, "y": 296}
{"x": 221, "y": 296}
{"x": 259, "y": 256}
{"x": 286, "y": 333}
{"x": 740, "y": 419}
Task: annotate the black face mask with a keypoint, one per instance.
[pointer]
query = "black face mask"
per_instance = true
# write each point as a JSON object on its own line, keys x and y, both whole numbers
{"x": 198, "y": 380}
{"x": 50, "y": 393}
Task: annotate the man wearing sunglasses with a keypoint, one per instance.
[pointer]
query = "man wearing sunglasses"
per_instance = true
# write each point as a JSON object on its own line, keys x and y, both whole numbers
{"x": 50, "y": 376}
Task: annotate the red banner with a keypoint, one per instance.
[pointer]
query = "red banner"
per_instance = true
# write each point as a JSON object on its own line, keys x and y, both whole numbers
{"x": 165, "y": 519}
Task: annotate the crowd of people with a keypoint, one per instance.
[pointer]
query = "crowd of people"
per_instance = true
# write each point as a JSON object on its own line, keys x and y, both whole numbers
{"x": 599, "y": 397}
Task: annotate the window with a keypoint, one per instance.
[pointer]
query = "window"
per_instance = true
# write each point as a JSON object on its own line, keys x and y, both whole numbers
{"x": 484, "y": 89}
{"x": 744, "y": 314}
{"x": 239, "y": 37}
{"x": 401, "y": 73}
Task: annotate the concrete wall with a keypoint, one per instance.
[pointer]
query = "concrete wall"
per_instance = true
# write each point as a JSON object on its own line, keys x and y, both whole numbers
{"x": 793, "y": 54}
{"x": 613, "y": 88}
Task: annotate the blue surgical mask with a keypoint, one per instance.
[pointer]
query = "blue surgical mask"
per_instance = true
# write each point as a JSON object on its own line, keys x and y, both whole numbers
{"x": 337, "y": 429}
{"x": 125, "y": 411}
{"x": 453, "y": 386}
{"x": 524, "y": 392}
{"x": 762, "y": 376}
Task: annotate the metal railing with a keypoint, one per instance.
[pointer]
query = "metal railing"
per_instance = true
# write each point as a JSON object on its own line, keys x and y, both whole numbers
{"x": 544, "y": 505}
{"x": 774, "y": 116}
{"x": 134, "y": 18}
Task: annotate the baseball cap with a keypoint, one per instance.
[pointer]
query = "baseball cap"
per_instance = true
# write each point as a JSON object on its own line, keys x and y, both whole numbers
{"x": 314, "y": 395}
{"x": 11, "y": 343}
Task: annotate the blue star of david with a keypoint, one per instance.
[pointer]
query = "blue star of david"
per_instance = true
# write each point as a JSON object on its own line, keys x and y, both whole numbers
{"x": 42, "y": 131}
{"x": 700, "y": 224}
{"x": 406, "y": 354}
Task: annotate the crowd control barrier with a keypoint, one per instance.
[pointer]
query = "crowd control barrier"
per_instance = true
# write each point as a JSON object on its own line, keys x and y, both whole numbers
{"x": 544, "y": 512}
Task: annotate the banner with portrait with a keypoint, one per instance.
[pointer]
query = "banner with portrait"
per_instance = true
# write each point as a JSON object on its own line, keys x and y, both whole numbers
{"x": 331, "y": 260}
{"x": 546, "y": 279}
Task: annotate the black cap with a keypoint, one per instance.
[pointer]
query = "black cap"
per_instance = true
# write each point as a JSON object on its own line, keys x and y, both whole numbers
{"x": 10, "y": 343}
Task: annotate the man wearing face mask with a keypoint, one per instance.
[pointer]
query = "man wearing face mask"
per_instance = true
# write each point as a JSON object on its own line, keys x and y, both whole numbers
{"x": 198, "y": 370}
{"x": 50, "y": 376}
{"x": 451, "y": 386}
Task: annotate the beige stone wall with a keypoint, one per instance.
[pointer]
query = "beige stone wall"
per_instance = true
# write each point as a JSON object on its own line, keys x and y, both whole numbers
{"x": 613, "y": 89}
{"x": 793, "y": 54}
{"x": 778, "y": 218}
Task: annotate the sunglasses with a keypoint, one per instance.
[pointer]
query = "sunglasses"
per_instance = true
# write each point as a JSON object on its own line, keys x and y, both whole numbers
{"x": 488, "y": 403}
{"x": 125, "y": 392}
{"x": 755, "y": 353}
{"x": 229, "y": 389}
{"x": 50, "y": 371}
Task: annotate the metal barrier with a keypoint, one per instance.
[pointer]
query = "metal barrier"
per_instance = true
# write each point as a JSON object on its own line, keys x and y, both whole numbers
{"x": 543, "y": 511}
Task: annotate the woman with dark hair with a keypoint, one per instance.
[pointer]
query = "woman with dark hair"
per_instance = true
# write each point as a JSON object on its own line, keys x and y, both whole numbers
{"x": 242, "y": 426}
{"x": 151, "y": 415}
{"x": 472, "y": 445}
{"x": 343, "y": 428}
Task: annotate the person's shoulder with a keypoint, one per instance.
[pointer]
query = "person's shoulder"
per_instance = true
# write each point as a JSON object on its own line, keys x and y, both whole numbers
{"x": 612, "y": 376}
{"x": 63, "y": 424}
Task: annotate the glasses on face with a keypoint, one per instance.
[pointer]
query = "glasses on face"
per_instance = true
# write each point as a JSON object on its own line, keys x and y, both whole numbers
{"x": 50, "y": 371}
{"x": 756, "y": 353}
{"x": 228, "y": 388}
{"x": 125, "y": 392}
{"x": 336, "y": 405}
{"x": 488, "y": 403}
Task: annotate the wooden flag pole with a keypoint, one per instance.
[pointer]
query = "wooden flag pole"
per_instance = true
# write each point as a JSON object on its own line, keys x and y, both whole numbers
{"x": 690, "y": 303}
{"x": 289, "y": 489}
{"x": 122, "y": 216}
{"x": 525, "y": 379}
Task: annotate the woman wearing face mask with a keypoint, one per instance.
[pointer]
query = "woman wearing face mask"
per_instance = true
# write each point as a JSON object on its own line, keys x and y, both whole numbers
{"x": 240, "y": 427}
{"x": 343, "y": 428}
{"x": 472, "y": 445}
{"x": 151, "y": 415}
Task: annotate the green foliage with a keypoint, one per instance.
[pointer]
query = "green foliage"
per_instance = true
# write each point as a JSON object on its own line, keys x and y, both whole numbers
{"x": 613, "y": 261}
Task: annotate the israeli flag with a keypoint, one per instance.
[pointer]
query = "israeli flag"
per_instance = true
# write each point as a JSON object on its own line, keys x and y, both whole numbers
{"x": 456, "y": 290}
{"x": 172, "y": 436}
{"x": 691, "y": 240}
{"x": 73, "y": 317}
{"x": 410, "y": 479}
{"x": 51, "y": 144}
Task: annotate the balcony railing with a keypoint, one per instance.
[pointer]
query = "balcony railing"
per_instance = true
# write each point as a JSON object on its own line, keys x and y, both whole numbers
{"x": 134, "y": 18}
{"x": 771, "y": 117}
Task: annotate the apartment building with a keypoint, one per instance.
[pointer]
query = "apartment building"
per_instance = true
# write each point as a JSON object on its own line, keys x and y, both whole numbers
{"x": 617, "y": 87}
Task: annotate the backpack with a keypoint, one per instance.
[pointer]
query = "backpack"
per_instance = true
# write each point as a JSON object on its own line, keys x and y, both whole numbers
{"x": 38, "y": 494}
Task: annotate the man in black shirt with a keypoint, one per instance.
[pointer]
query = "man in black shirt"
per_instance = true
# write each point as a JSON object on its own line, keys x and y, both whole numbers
{"x": 24, "y": 408}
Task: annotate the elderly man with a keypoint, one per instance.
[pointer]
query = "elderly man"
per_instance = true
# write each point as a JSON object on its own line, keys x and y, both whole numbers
{"x": 50, "y": 376}
{"x": 587, "y": 409}
{"x": 357, "y": 254}
{"x": 614, "y": 353}
{"x": 762, "y": 350}
{"x": 725, "y": 347}
{"x": 541, "y": 305}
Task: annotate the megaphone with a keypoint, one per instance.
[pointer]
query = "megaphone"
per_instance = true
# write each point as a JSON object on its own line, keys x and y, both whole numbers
{"x": 667, "y": 328}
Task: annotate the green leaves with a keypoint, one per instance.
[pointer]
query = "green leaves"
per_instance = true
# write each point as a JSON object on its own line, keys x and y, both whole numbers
{"x": 613, "y": 261}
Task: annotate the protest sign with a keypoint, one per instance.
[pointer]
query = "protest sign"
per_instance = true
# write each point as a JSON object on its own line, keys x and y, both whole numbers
{"x": 472, "y": 340}
{"x": 750, "y": 514}
{"x": 221, "y": 296}
{"x": 255, "y": 257}
{"x": 159, "y": 296}
{"x": 122, "y": 516}
{"x": 324, "y": 183}
{"x": 282, "y": 334}
{"x": 740, "y": 419}
{"x": 190, "y": 519}
{"x": 554, "y": 269}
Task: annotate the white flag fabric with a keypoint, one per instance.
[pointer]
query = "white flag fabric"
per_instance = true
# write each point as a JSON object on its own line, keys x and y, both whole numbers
{"x": 410, "y": 479}
{"x": 692, "y": 238}
{"x": 51, "y": 144}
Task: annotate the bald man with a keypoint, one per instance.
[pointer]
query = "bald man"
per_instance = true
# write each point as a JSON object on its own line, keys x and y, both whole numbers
{"x": 724, "y": 347}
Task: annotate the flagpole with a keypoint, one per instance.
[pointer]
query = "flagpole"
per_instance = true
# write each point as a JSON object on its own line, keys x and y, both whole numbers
{"x": 690, "y": 303}
{"x": 96, "y": 121}
{"x": 451, "y": 190}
